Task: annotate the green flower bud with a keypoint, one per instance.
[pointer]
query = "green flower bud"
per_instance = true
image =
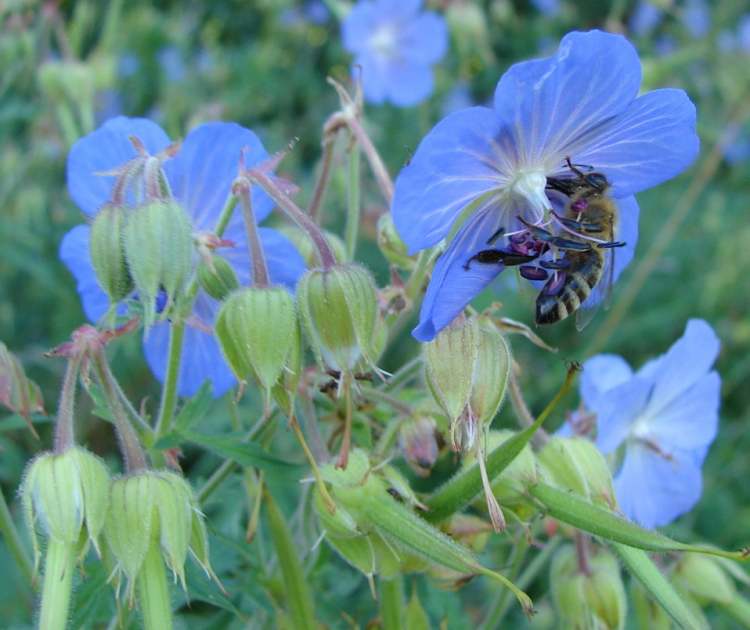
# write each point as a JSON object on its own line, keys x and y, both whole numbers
{"x": 450, "y": 360}
{"x": 66, "y": 80}
{"x": 154, "y": 508}
{"x": 391, "y": 245}
{"x": 217, "y": 277}
{"x": 159, "y": 251}
{"x": 510, "y": 486}
{"x": 491, "y": 372}
{"x": 17, "y": 392}
{"x": 107, "y": 249}
{"x": 257, "y": 331}
{"x": 66, "y": 494}
{"x": 588, "y": 597}
{"x": 338, "y": 308}
{"x": 704, "y": 579}
{"x": 576, "y": 464}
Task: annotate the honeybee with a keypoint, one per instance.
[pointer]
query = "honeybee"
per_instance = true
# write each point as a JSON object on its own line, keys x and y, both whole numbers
{"x": 588, "y": 256}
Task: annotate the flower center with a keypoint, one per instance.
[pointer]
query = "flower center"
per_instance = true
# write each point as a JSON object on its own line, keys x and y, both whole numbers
{"x": 384, "y": 41}
{"x": 528, "y": 190}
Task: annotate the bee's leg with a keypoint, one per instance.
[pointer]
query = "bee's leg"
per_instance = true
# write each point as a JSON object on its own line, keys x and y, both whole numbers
{"x": 498, "y": 256}
{"x": 569, "y": 245}
{"x": 561, "y": 263}
{"x": 496, "y": 235}
{"x": 611, "y": 244}
{"x": 532, "y": 273}
{"x": 578, "y": 226}
{"x": 555, "y": 284}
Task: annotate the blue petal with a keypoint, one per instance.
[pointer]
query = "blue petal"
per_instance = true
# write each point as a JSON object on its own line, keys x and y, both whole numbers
{"x": 617, "y": 409}
{"x": 653, "y": 490}
{"x": 202, "y": 172}
{"x": 653, "y": 140}
{"x": 452, "y": 287}
{"x": 74, "y": 252}
{"x": 425, "y": 39}
{"x": 201, "y": 356}
{"x": 398, "y": 10}
{"x": 600, "y": 374}
{"x": 626, "y": 231}
{"x": 358, "y": 26}
{"x": 408, "y": 84}
{"x": 690, "y": 420}
{"x": 103, "y": 150}
{"x": 372, "y": 72}
{"x": 696, "y": 17}
{"x": 285, "y": 264}
{"x": 686, "y": 362}
{"x": 645, "y": 18}
{"x": 455, "y": 163}
{"x": 549, "y": 103}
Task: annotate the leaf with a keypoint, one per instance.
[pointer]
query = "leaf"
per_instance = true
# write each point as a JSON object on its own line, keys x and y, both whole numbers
{"x": 234, "y": 447}
{"x": 17, "y": 392}
{"x": 194, "y": 409}
{"x": 16, "y": 421}
{"x": 513, "y": 327}
{"x": 641, "y": 566}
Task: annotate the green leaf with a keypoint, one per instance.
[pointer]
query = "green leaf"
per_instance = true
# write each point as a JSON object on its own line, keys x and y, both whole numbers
{"x": 194, "y": 409}
{"x": 16, "y": 421}
{"x": 232, "y": 446}
{"x": 641, "y": 566}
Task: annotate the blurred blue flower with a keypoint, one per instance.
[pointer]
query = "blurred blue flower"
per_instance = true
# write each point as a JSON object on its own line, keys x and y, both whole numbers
{"x": 395, "y": 45}
{"x": 738, "y": 150}
{"x": 645, "y": 18}
{"x": 200, "y": 176}
{"x": 665, "y": 416}
{"x": 459, "y": 97}
{"x": 696, "y": 18}
{"x": 171, "y": 63}
{"x": 581, "y": 103}
{"x": 549, "y": 8}
{"x": 743, "y": 33}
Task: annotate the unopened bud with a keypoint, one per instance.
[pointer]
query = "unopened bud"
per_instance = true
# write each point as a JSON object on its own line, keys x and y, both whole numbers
{"x": 107, "y": 246}
{"x": 257, "y": 329}
{"x": 217, "y": 277}
{"x": 491, "y": 373}
{"x": 159, "y": 251}
{"x": 17, "y": 392}
{"x": 590, "y": 596}
{"x": 154, "y": 508}
{"x": 338, "y": 308}
{"x": 391, "y": 245}
{"x": 65, "y": 494}
{"x": 307, "y": 249}
{"x": 575, "y": 464}
{"x": 418, "y": 442}
{"x": 704, "y": 578}
{"x": 66, "y": 80}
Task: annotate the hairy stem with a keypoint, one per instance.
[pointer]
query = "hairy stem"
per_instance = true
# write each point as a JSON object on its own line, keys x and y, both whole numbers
{"x": 316, "y": 205}
{"x": 13, "y": 541}
{"x": 258, "y": 266}
{"x": 153, "y": 591}
{"x": 65, "y": 425}
{"x": 59, "y": 564}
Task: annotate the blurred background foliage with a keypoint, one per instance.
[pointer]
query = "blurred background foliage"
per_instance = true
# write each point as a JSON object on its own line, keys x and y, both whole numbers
{"x": 66, "y": 67}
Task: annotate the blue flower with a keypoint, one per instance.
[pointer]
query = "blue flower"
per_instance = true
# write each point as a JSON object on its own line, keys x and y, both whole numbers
{"x": 664, "y": 417}
{"x": 395, "y": 45}
{"x": 645, "y": 18}
{"x": 696, "y": 18}
{"x": 549, "y": 8}
{"x": 200, "y": 176}
{"x": 489, "y": 166}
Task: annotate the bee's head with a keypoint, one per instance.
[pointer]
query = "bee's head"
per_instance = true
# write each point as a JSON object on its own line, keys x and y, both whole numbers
{"x": 597, "y": 180}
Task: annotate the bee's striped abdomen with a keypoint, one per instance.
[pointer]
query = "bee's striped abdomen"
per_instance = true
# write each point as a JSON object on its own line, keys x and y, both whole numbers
{"x": 585, "y": 271}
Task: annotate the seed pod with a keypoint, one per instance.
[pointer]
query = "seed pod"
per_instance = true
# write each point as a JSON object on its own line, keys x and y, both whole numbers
{"x": 575, "y": 464}
{"x": 418, "y": 442}
{"x": 338, "y": 309}
{"x": 66, "y": 494}
{"x": 704, "y": 579}
{"x": 107, "y": 249}
{"x": 257, "y": 330}
{"x": 159, "y": 251}
{"x": 491, "y": 373}
{"x": 217, "y": 277}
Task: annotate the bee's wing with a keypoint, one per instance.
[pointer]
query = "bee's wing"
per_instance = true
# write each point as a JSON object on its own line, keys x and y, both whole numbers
{"x": 601, "y": 294}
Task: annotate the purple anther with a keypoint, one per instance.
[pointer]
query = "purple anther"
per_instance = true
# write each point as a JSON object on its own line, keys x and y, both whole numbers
{"x": 579, "y": 205}
{"x": 532, "y": 273}
{"x": 517, "y": 239}
{"x": 555, "y": 283}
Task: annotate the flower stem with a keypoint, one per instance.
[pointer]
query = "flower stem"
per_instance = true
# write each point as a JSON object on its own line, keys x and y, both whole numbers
{"x": 353, "y": 203}
{"x": 258, "y": 267}
{"x": 392, "y": 603}
{"x": 346, "y": 442}
{"x": 313, "y": 465}
{"x": 296, "y": 214}
{"x": 135, "y": 458}
{"x": 169, "y": 390}
{"x": 315, "y": 211}
{"x": 65, "y": 425}
{"x": 59, "y": 564}
{"x": 13, "y": 541}
{"x": 373, "y": 157}
{"x": 153, "y": 591}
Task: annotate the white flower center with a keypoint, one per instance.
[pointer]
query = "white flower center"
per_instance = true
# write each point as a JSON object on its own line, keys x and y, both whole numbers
{"x": 384, "y": 41}
{"x": 528, "y": 189}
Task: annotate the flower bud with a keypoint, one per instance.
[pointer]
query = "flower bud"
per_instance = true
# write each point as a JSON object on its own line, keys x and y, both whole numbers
{"x": 307, "y": 249}
{"x": 159, "y": 251}
{"x": 491, "y": 372}
{"x": 391, "y": 245}
{"x": 257, "y": 330}
{"x": 66, "y": 80}
{"x": 17, "y": 392}
{"x": 588, "y": 597}
{"x": 66, "y": 493}
{"x": 450, "y": 360}
{"x": 418, "y": 441}
{"x": 217, "y": 277}
{"x": 575, "y": 464}
{"x": 704, "y": 579}
{"x": 338, "y": 308}
{"x": 108, "y": 252}
{"x": 154, "y": 508}
{"x": 510, "y": 486}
